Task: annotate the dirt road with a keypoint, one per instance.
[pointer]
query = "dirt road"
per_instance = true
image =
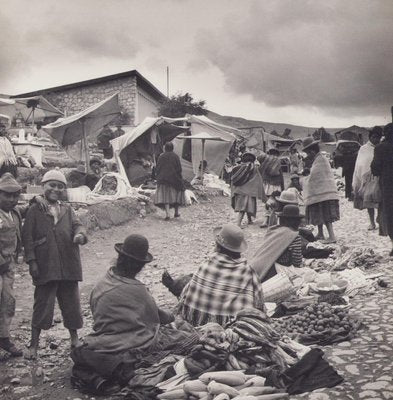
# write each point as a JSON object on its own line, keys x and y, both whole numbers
{"x": 180, "y": 246}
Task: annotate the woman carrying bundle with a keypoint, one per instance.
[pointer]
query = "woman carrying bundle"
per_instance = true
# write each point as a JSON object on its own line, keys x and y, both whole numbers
{"x": 246, "y": 187}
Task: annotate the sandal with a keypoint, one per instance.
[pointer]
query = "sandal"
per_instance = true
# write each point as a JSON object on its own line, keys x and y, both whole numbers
{"x": 176, "y": 215}
{"x": 166, "y": 218}
{"x": 371, "y": 228}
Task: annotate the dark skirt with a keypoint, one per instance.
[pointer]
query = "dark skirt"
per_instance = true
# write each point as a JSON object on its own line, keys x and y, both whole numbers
{"x": 244, "y": 203}
{"x": 323, "y": 212}
{"x": 166, "y": 194}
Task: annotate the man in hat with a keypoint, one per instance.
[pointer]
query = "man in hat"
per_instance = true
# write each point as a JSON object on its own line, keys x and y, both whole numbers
{"x": 127, "y": 323}
{"x": 10, "y": 227}
{"x": 51, "y": 240}
{"x": 224, "y": 285}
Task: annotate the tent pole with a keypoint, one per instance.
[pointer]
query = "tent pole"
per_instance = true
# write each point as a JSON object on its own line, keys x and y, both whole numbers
{"x": 86, "y": 147}
{"x": 203, "y": 157}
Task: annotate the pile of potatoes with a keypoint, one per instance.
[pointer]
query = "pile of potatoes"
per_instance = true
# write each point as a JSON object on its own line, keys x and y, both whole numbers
{"x": 225, "y": 385}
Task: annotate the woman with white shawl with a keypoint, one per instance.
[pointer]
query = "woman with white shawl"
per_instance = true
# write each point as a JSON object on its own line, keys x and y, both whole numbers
{"x": 320, "y": 192}
{"x": 364, "y": 182}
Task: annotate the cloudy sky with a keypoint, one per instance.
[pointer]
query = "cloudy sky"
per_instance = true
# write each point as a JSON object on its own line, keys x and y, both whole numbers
{"x": 315, "y": 63}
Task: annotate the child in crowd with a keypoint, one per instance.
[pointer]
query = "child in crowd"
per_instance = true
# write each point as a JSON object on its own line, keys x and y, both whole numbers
{"x": 271, "y": 206}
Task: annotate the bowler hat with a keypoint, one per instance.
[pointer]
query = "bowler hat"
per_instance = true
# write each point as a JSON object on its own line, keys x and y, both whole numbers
{"x": 135, "y": 247}
{"x": 288, "y": 197}
{"x": 290, "y": 211}
{"x": 231, "y": 237}
{"x": 308, "y": 142}
{"x": 9, "y": 184}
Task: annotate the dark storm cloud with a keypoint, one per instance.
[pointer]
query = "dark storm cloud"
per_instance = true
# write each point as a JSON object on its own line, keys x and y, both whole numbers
{"x": 333, "y": 55}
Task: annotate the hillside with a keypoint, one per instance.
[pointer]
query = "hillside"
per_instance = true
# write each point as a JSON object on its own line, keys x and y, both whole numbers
{"x": 237, "y": 122}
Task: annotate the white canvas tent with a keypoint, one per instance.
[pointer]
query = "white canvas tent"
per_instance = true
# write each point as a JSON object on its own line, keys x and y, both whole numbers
{"x": 152, "y": 131}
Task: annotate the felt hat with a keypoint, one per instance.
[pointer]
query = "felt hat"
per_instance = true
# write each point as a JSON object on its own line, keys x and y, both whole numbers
{"x": 135, "y": 247}
{"x": 54, "y": 175}
{"x": 308, "y": 142}
{"x": 288, "y": 197}
{"x": 249, "y": 156}
{"x": 231, "y": 237}
{"x": 290, "y": 211}
{"x": 9, "y": 184}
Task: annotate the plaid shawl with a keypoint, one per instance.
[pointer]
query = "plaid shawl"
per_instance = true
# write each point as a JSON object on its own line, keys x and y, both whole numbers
{"x": 218, "y": 290}
{"x": 242, "y": 173}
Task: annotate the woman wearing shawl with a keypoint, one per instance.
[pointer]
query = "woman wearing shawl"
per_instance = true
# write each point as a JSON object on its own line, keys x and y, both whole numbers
{"x": 170, "y": 187}
{"x": 363, "y": 180}
{"x": 320, "y": 192}
{"x": 270, "y": 170}
{"x": 382, "y": 166}
{"x": 282, "y": 244}
{"x": 246, "y": 187}
{"x": 224, "y": 285}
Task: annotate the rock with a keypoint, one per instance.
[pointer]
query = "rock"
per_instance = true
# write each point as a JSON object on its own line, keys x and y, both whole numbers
{"x": 379, "y": 385}
{"x": 15, "y": 381}
{"x": 39, "y": 372}
{"x": 367, "y": 394}
{"x": 352, "y": 369}
{"x": 318, "y": 396}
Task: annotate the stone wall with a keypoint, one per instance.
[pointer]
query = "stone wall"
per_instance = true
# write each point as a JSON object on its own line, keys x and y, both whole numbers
{"x": 75, "y": 100}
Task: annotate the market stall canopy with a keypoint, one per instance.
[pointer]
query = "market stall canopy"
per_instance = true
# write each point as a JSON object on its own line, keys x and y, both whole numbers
{"x": 146, "y": 137}
{"x": 202, "y": 137}
{"x": 32, "y": 108}
{"x": 69, "y": 130}
{"x": 76, "y": 128}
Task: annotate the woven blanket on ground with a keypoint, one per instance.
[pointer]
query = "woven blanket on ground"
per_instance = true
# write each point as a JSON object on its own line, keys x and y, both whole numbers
{"x": 218, "y": 290}
{"x": 320, "y": 184}
{"x": 275, "y": 242}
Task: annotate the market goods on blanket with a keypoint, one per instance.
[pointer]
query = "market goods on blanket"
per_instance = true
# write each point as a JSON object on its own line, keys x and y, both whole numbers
{"x": 333, "y": 299}
{"x": 194, "y": 386}
{"x": 221, "y": 396}
{"x": 232, "y": 378}
{"x": 358, "y": 257}
{"x": 318, "y": 318}
{"x": 217, "y": 388}
{"x": 172, "y": 395}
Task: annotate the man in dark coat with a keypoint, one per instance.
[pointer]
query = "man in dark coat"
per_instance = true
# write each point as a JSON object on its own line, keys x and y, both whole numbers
{"x": 382, "y": 166}
{"x": 51, "y": 240}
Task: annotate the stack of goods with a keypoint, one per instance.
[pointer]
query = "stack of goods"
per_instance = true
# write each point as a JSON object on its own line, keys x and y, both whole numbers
{"x": 358, "y": 257}
{"x": 224, "y": 385}
{"x": 249, "y": 341}
{"x": 320, "y": 323}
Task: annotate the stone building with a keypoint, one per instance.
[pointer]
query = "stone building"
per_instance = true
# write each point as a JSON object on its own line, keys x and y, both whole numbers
{"x": 138, "y": 98}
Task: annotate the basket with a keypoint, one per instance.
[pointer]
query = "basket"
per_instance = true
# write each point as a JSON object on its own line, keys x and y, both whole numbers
{"x": 342, "y": 285}
{"x": 278, "y": 288}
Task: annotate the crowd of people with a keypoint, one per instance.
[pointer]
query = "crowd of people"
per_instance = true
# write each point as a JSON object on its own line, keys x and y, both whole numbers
{"x": 127, "y": 323}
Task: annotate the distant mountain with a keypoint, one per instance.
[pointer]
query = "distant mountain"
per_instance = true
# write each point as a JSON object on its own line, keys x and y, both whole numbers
{"x": 237, "y": 122}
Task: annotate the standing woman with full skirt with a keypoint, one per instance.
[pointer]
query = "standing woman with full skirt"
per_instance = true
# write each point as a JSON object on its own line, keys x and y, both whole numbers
{"x": 170, "y": 186}
{"x": 320, "y": 192}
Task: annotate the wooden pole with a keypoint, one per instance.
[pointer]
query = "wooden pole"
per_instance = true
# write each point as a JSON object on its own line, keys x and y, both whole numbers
{"x": 203, "y": 157}
{"x": 86, "y": 147}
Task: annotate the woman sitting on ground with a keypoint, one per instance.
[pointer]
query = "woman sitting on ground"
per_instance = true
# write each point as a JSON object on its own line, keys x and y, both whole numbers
{"x": 128, "y": 326}
{"x": 282, "y": 244}
{"x": 224, "y": 285}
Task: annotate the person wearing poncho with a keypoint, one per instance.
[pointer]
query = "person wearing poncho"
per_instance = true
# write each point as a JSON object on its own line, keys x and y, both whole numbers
{"x": 128, "y": 326}
{"x": 170, "y": 186}
{"x": 222, "y": 286}
{"x": 246, "y": 187}
{"x": 363, "y": 180}
{"x": 320, "y": 192}
{"x": 282, "y": 244}
{"x": 382, "y": 166}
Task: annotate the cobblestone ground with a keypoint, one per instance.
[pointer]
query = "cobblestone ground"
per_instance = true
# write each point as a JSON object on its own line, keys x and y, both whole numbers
{"x": 180, "y": 246}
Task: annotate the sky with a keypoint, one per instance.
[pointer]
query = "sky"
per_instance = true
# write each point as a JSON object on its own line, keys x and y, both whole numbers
{"x": 313, "y": 63}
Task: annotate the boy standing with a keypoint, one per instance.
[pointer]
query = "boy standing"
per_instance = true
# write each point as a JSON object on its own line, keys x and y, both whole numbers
{"x": 10, "y": 235}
